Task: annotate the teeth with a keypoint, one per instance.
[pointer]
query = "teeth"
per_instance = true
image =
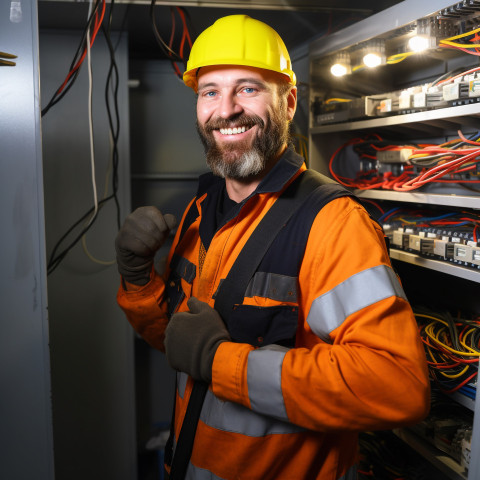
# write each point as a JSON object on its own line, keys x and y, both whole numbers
{"x": 232, "y": 131}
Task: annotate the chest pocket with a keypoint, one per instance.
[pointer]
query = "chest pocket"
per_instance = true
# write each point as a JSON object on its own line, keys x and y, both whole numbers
{"x": 265, "y": 325}
{"x": 180, "y": 281}
{"x": 261, "y": 326}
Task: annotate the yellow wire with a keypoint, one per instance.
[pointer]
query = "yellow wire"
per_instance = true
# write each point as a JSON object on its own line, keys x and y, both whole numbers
{"x": 399, "y": 57}
{"x": 463, "y": 35}
{"x": 460, "y": 45}
{"x": 407, "y": 221}
{"x": 338, "y": 100}
{"x": 419, "y": 155}
{"x": 429, "y": 328}
{"x": 455, "y": 375}
{"x": 467, "y": 333}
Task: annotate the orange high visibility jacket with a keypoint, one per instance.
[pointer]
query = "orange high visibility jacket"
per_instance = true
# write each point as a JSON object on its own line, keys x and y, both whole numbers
{"x": 282, "y": 410}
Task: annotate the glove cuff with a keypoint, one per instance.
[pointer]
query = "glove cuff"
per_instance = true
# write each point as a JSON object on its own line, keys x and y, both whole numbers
{"x": 139, "y": 275}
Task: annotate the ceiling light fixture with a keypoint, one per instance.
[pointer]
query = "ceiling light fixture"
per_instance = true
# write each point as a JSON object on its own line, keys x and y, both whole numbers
{"x": 341, "y": 65}
{"x": 374, "y": 53}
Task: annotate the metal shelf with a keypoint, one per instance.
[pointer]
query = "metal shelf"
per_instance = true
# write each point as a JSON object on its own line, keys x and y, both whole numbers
{"x": 387, "y": 20}
{"x": 440, "y": 460}
{"x": 437, "y": 265}
{"x": 463, "y": 400}
{"x": 462, "y": 201}
{"x": 450, "y": 118}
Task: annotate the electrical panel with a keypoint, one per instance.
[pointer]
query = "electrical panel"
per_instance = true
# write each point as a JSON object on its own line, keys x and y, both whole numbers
{"x": 400, "y": 126}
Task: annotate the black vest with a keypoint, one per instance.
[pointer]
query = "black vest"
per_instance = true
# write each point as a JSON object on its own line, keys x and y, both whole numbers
{"x": 276, "y": 277}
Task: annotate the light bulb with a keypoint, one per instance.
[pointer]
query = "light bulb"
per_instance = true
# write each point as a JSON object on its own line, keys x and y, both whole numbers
{"x": 338, "y": 70}
{"x": 372, "y": 60}
{"x": 418, "y": 44}
{"x": 341, "y": 64}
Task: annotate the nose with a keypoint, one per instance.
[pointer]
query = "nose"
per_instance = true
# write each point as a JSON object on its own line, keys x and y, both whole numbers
{"x": 229, "y": 106}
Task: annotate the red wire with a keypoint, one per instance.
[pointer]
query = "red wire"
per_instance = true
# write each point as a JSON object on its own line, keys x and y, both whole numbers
{"x": 466, "y": 50}
{"x": 172, "y": 34}
{"x": 92, "y": 39}
{"x": 186, "y": 33}
{"x": 375, "y": 204}
{"x": 453, "y": 162}
{"x": 349, "y": 182}
{"x": 457, "y": 387}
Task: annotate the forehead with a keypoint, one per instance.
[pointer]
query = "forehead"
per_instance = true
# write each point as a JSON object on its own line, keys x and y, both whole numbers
{"x": 231, "y": 75}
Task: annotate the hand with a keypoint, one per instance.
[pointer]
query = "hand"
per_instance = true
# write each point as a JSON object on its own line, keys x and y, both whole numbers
{"x": 142, "y": 234}
{"x": 192, "y": 338}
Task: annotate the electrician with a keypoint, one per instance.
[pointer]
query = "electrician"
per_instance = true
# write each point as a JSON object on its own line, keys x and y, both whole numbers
{"x": 325, "y": 344}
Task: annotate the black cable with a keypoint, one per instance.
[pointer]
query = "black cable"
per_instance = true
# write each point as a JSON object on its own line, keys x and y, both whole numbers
{"x": 114, "y": 126}
{"x": 447, "y": 75}
{"x": 54, "y": 262}
{"x": 166, "y": 49}
{"x": 58, "y": 95}
{"x": 122, "y": 26}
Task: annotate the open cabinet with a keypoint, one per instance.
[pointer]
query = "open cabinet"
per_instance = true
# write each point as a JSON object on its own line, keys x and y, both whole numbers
{"x": 395, "y": 135}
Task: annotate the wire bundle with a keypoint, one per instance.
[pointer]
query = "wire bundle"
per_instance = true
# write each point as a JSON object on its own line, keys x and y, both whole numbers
{"x": 445, "y": 163}
{"x": 452, "y": 347}
{"x": 469, "y": 222}
{"x": 90, "y": 32}
{"x": 111, "y": 101}
{"x": 167, "y": 49}
{"x": 466, "y": 42}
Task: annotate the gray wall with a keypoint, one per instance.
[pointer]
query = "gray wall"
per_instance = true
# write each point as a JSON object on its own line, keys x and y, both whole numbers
{"x": 26, "y": 449}
{"x": 91, "y": 343}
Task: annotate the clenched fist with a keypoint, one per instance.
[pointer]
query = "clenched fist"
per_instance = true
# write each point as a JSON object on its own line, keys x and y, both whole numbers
{"x": 144, "y": 231}
{"x": 192, "y": 339}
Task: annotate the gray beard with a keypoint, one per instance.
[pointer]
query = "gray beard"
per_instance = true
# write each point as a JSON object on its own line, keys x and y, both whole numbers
{"x": 242, "y": 161}
{"x": 248, "y": 164}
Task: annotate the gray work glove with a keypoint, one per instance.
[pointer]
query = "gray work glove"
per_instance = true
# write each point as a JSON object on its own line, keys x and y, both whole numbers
{"x": 142, "y": 234}
{"x": 192, "y": 339}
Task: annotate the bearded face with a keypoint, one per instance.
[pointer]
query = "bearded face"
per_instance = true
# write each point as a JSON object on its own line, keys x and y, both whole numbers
{"x": 245, "y": 158}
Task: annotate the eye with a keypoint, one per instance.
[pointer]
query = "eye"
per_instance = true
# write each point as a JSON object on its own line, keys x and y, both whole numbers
{"x": 249, "y": 90}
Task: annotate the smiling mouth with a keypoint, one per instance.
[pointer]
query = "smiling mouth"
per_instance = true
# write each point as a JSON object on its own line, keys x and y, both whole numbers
{"x": 234, "y": 130}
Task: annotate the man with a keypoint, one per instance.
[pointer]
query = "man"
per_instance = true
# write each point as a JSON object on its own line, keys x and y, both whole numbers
{"x": 324, "y": 344}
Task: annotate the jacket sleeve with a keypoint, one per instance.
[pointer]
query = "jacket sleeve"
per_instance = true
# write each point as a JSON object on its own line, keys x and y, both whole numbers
{"x": 146, "y": 310}
{"x": 146, "y": 307}
{"x": 358, "y": 363}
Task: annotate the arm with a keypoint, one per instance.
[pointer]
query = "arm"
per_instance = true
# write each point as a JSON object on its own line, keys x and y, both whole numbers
{"x": 141, "y": 295}
{"x": 359, "y": 363}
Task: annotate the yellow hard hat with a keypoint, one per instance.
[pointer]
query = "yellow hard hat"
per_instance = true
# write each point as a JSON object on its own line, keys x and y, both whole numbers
{"x": 239, "y": 40}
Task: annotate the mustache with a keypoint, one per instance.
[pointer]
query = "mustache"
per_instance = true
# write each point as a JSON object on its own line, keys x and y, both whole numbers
{"x": 242, "y": 120}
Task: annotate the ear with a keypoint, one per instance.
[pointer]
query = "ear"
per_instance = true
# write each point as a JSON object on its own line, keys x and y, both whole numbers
{"x": 292, "y": 103}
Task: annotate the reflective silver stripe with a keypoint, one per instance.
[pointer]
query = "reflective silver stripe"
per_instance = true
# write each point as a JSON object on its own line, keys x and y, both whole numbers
{"x": 274, "y": 286}
{"x": 233, "y": 417}
{"x": 181, "y": 383}
{"x": 351, "y": 474}
{"x": 264, "y": 378}
{"x": 195, "y": 473}
{"x": 359, "y": 291}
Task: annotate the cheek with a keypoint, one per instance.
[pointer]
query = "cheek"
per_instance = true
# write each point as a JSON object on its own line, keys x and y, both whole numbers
{"x": 204, "y": 112}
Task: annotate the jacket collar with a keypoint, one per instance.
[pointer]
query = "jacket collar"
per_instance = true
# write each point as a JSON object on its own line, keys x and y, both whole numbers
{"x": 285, "y": 168}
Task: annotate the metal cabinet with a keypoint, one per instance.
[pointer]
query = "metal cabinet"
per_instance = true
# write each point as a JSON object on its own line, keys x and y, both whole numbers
{"x": 374, "y": 108}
